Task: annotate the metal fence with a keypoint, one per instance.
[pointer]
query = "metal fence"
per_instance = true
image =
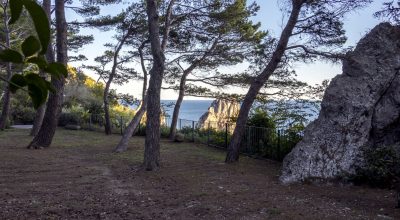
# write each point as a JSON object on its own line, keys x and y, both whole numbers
{"x": 259, "y": 142}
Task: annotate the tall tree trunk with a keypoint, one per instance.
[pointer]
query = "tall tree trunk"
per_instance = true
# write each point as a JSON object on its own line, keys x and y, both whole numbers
{"x": 37, "y": 123}
{"x": 7, "y": 95}
{"x": 106, "y": 98}
{"x": 152, "y": 143}
{"x": 6, "y": 100}
{"x": 131, "y": 128}
{"x": 257, "y": 84}
{"x": 107, "y": 125}
{"x": 175, "y": 114}
{"x": 54, "y": 103}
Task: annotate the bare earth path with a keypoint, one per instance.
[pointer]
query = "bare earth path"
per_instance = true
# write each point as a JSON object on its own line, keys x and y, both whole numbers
{"x": 78, "y": 178}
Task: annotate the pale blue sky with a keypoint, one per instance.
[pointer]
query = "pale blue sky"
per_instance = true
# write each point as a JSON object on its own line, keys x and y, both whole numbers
{"x": 356, "y": 25}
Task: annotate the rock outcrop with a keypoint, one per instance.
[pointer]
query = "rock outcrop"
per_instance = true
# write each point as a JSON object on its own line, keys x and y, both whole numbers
{"x": 360, "y": 111}
{"x": 219, "y": 113}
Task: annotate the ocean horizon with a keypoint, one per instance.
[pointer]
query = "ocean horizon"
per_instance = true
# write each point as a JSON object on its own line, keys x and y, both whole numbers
{"x": 190, "y": 109}
{"x": 193, "y": 109}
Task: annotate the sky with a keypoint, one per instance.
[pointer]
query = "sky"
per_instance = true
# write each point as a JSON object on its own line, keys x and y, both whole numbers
{"x": 357, "y": 24}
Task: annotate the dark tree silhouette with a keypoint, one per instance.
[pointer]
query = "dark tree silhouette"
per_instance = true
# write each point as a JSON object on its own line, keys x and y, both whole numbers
{"x": 54, "y": 103}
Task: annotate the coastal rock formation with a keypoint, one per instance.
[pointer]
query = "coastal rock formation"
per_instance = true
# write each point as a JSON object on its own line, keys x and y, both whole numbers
{"x": 360, "y": 111}
{"x": 219, "y": 113}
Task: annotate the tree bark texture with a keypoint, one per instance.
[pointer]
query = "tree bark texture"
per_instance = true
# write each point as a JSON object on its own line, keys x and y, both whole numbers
{"x": 106, "y": 98}
{"x": 259, "y": 81}
{"x": 106, "y": 106}
{"x": 131, "y": 128}
{"x": 152, "y": 143}
{"x": 40, "y": 112}
{"x": 7, "y": 94}
{"x": 54, "y": 103}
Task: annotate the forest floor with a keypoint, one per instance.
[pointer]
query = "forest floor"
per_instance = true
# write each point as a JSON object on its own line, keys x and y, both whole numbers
{"x": 79, "y": 178}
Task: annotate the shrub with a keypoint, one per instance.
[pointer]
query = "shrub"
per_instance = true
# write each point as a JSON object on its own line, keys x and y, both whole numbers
{"x": 68, "y": 119}
{"x": 72, "y": 127}
{"x": 381, "y": 169}
{"x": 179, "y": 137}
{"x": 141, "y": 130}
{"x": 23, "y": 115}
{"x": 164, "y": 131}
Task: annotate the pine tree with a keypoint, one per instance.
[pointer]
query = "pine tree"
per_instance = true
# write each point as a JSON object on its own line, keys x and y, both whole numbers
{"x": 390, "y": 11}
{"x": 54, "y": 103}
{"x": 221, "y": 35}
{"x": 311, "y": 25}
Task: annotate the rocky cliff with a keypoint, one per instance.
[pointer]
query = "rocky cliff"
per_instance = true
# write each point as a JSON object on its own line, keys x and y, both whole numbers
{"x": 360, "y": 111}
{"x": 219, "y": 113}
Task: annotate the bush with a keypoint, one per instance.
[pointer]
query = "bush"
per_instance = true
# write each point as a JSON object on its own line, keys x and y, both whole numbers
{"x": 179, "y": 137}
{"x": 68, "y": 119}
{"x": 23, "y": 115}
{"x": 164, "y": 131}
{"x": 141, "y": 130}
{"x": 381, "y": 169}
{"x": 21, "y": 109}
{"x": 72, "y": 127}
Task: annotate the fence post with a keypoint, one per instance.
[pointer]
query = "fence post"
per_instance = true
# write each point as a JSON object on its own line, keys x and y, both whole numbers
{"x": 193, "y": 131}
{"x": 226, "y": 135}
{"x": 120, "y": 124}
{"x": 90, "y": 122}
{"x": 248, "y": 138}
{"x": 278, "y": 150}
{"x": 208, "y": 134}
{"x": 180, "y": 124}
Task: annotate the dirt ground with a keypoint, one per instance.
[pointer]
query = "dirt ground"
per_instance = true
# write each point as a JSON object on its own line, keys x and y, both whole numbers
{"x": 79, "y": 178}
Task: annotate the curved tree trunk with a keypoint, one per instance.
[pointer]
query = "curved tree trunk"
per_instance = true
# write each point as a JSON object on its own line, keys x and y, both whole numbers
{"x": 182, "y": 86}
{"x": 175, "y": 115}
{"x": 7, "y": 95}
{"x": 131, "y": 128}
{"x": 106, "y": 100}
{"x": 257, "y": 84}
{"x": 37, "y": 123}
{"x": 54, "y": 104}
{"x": 152, "y": 143}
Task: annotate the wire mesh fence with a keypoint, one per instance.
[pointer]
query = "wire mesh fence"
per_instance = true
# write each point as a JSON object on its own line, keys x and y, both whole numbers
{"x": 259, "y": 142}
{"x": 93, "y": 122}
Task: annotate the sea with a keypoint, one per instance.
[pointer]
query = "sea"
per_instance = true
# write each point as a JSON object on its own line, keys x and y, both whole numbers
{"x": 193, "y": 109}
{"x": 190, "y": 109}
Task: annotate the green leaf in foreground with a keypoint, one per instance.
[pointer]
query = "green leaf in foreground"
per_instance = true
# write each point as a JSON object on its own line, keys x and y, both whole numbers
{"x": 17, "y": 81}
{"x": 40, "y": 21}
{"x": 37, "y": 95}
{"x": 38, "y": 89}
{"x": 57, "y": 69}
{"x": 13, "y": 56}
{"x": 30, "y": 46}
{"x": 39, "y": 61}
{"x": 16, "y": 10}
